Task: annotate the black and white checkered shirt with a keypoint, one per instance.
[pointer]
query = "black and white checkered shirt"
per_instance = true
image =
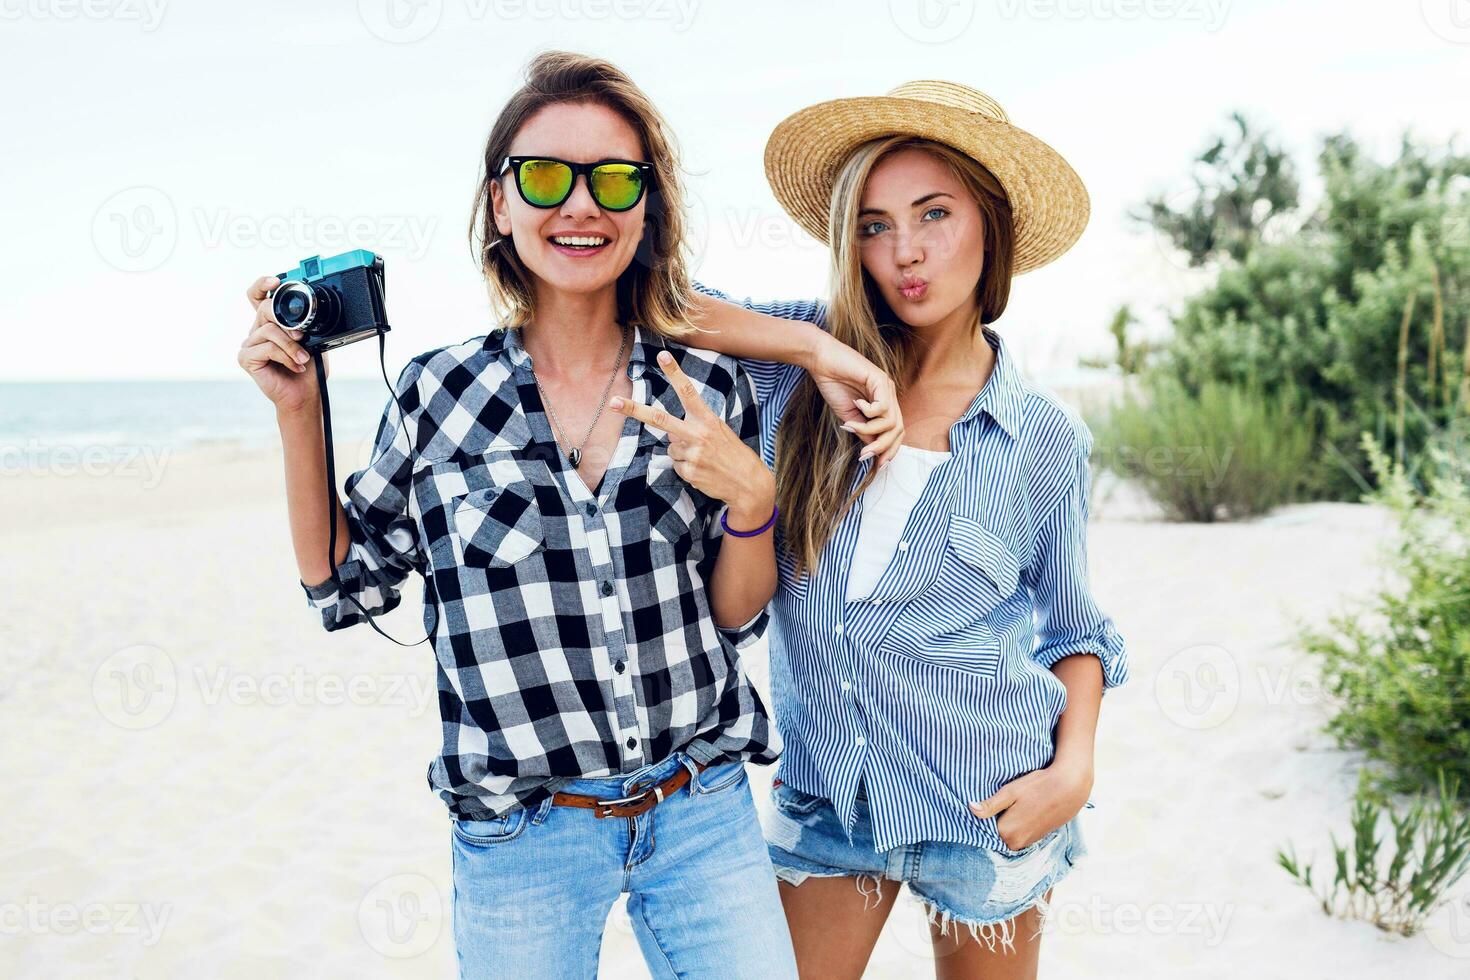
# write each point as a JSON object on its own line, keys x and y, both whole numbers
{"x": 574, "y": 633}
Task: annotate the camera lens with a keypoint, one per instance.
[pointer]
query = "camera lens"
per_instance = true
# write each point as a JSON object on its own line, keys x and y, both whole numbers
{"x": 294, "y": 305}
{"x": 298, "y": 306}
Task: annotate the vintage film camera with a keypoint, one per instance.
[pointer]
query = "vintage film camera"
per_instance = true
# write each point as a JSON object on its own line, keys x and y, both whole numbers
{"x": 333, "y": 301}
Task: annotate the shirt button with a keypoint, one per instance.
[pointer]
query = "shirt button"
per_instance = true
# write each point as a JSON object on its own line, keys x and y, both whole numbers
{"x": 847, "y": 685}
{"x": 903, "y": 546}
{"x": 607, "y": 588}
{"x": 861, "y": 741}
{"x": 620, "y": 666}
{"x": 877, "y": 602}
{"x": 632, "y": 743}
{"x": 838, "y": 627}
{"x": 591, "y": 510}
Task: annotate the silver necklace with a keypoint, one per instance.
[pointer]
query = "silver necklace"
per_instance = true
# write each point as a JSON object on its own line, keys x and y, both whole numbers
{"x": 575, "y": 455}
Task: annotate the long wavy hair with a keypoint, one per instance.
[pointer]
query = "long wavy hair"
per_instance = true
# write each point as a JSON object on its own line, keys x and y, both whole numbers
{"x": 816, "y": 460}
{"x": 653, "y": 290}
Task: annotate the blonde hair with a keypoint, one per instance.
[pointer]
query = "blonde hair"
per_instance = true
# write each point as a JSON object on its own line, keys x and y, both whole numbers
{"x": 815, "y": 459}
{"x": 654, "y": 290}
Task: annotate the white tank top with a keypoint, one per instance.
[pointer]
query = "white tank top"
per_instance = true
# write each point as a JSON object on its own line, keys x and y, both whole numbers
{"x": 886, "y": 506}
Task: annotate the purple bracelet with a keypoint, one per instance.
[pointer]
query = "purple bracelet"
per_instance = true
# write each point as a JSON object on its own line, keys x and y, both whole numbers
{"x": 749, "y": 534}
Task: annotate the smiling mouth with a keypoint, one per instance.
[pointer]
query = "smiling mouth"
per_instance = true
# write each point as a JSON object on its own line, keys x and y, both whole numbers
{"x": 579, "y": 244}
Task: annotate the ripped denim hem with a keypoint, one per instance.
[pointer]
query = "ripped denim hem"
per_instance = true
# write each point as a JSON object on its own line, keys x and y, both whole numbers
{"x": 1003, "y": 930}
{"x": 795, "y": 876}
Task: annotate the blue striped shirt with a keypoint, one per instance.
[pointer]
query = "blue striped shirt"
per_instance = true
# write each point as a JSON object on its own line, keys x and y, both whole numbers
{"x": 934, "y": 689}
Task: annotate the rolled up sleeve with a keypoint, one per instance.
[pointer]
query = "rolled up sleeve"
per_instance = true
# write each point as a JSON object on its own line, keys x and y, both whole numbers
{"x": 1067, "y": 618}
{"x": 771, "y": 377}
{"x": 384, "y": 537}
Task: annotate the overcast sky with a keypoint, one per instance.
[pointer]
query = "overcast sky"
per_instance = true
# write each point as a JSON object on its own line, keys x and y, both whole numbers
{"x": 160, "y": 154}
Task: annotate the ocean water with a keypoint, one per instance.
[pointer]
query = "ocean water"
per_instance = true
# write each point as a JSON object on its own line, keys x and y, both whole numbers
{"x": 52, "y": 418}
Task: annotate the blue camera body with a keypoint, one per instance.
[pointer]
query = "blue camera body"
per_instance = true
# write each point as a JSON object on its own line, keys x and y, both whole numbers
{"x": 333, "y": 301}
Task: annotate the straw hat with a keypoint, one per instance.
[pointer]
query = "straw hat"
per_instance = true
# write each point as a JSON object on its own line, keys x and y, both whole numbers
{"x": 1049, "y": 203}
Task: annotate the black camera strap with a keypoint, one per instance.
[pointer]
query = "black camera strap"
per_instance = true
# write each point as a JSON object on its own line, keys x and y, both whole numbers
{"x": 333, "y": 502}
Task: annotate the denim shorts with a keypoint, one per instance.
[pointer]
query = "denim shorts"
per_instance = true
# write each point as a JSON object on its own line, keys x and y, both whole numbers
{"x": 975, "y": 887}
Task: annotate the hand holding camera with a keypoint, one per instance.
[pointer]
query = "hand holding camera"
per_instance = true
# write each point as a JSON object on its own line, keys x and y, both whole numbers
{"x": 274, "y": 356}
{"x": 320, "y": 304}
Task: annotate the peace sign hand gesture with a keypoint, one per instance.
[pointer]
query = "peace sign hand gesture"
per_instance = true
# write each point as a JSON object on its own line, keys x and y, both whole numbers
{"x": 707, "y": 453}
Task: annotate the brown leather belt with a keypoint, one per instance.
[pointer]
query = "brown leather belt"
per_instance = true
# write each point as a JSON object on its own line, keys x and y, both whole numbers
{"x": 629, "y": 806}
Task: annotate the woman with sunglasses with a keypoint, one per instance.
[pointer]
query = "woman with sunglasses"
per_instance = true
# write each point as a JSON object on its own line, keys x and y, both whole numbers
{"x": 593, "y": 574}
{"x": 937, "y": 659}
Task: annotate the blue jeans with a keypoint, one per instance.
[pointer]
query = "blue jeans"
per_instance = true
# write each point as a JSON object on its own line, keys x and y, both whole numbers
{"x": 532, "y": 889}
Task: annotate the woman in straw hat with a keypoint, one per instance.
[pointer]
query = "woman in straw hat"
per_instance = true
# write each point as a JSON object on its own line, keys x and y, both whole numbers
{"x": 938, "y": 660}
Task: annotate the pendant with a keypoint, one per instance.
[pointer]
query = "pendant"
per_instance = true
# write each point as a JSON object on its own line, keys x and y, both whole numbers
{"x": 575, "y": 456}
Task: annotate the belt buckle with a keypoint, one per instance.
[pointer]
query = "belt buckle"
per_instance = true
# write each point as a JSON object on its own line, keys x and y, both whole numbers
{"x": 605, "y": 806}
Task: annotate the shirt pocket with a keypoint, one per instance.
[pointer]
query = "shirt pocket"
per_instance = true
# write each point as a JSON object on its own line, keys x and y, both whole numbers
{"x": 498, "y": 526}
{"x": 944, "y": 625}
{"x": 978, "y": 559}
{"x": 673, "y": 515}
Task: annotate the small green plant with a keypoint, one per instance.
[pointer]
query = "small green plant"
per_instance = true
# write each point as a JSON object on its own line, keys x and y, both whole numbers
{"x": 1227, "y": 452}
{"x": 1398, "y": 670}
{"x": 1397, "y": 882}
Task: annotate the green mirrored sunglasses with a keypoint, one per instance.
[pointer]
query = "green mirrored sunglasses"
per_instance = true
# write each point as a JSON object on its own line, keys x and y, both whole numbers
{"x": 545, "y": 182}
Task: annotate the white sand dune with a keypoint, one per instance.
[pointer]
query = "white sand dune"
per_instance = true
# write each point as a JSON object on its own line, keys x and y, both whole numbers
{"x": 199, "y": 781}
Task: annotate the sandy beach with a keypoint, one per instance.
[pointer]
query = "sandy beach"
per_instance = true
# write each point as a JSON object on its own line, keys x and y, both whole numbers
{"x": 200, "y": 781}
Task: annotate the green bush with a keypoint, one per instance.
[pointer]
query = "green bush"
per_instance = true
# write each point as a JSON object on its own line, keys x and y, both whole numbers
{"x": 1225, "y": 452}
{"x": 1401, "y": 673}
{"x": 1361, "y": 304}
